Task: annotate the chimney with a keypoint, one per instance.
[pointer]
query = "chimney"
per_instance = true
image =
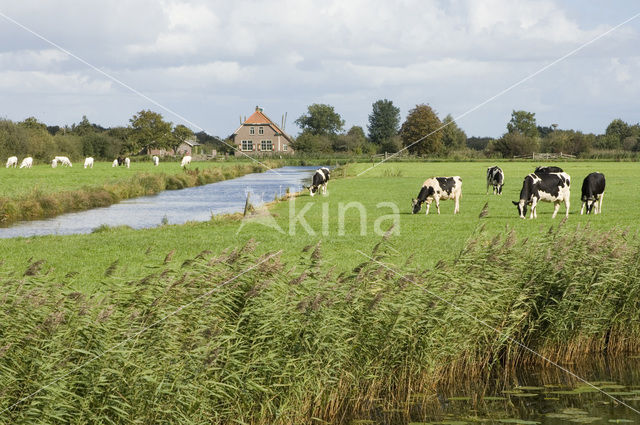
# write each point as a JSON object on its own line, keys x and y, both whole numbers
{"x": 258, "y": 109}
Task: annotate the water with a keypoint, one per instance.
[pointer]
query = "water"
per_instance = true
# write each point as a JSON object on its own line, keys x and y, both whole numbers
{"x": 529, "y": 396}
{"x": 173, "y": 206}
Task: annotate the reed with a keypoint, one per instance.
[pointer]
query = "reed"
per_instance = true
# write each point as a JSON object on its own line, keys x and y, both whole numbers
{"x": 288, "y": 342}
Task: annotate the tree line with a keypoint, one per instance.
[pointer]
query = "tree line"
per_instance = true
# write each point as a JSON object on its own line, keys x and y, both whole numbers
{"x": 146, "y": 130}
{"x": 422, "y": 133}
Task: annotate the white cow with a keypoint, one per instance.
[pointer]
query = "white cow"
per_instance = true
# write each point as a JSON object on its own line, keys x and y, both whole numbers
{"x": 12, "y": 161}
{"x": 88, "y": 162}
{"x": 63, "y": 160}
{"x": 185, "y": 160}
{"x": 27, "y": 162}
{"x": 127, "y": 162}
{"x": 54, "y": 163}
{"x": 437, "y": 188}
{"x": 155, "y": 160}
{"x": 114, "y": 163}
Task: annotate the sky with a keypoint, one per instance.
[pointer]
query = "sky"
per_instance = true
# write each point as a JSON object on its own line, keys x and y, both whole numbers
{"x": 207, "y": 64}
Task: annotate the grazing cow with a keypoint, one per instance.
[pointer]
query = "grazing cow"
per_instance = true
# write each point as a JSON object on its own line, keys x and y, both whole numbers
{"x": 155, "y": 160}
{"x": 547, "y": 169}
{"x": 495, "y": 178}
{"x": 54, "y": 163}
{"x": 27, "y": 162}
{"x": 114, "y": 163}
{"x": 186, "y": 160}
{"x": 12, "y": 161}
{"x": 593, "y": 192}
{"x": 437, "y": 188}
{"x": 88, "y": 162}
{"x": 120, "y": 160}
{"x": 551, "y": 187}
{"x": 63, "y": 160}
{"x": 127, "y": 162}
{"x": 320, "y": 179}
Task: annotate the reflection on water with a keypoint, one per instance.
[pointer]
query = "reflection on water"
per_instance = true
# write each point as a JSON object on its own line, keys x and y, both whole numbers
{"x": 542, "y": 395}
{"x": 173, "y": 206}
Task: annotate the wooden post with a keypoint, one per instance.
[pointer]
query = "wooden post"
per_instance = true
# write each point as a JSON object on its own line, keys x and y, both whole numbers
{"x": 246, "y": 204}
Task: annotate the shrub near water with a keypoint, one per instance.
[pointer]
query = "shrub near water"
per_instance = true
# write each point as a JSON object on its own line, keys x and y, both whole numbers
{"x": 284, "y": 343}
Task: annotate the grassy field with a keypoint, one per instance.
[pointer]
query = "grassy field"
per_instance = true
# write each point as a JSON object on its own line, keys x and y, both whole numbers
{"x": 205, "y": 323}
{"x": 427, "y": 238}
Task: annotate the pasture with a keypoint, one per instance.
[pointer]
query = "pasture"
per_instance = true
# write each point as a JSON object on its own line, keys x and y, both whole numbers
{"x": 342, "y": 231}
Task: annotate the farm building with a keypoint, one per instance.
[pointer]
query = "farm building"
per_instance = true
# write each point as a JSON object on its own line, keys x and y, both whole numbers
{"x": 258, "y": 134}
{"x": 187, "y": 147}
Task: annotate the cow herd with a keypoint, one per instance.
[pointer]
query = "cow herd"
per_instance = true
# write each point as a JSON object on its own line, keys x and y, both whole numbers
{"x": 547, "y": 184}
{"x": 12, "y": 162}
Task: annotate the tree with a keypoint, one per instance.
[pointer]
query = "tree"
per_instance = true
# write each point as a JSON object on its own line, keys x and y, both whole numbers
{"x": 420, "y": 132}
{"x": 353, "y": 141}
{"x": 384, "y": 121}
{"x": 83, "y": 128}
{"x": 523, "y": 122}
{"x": 619, "y": 130}
{"x": 32, "y": 123}
{"x": 149, "y": 129}
{"x": 453, "y": 136}
{"x": 320, "y": 120}
{"x": 478, "y": 143}
{"x": 180, "y": 134}
{"x": 515, "y": 144}
{"x": 307, "y": 142}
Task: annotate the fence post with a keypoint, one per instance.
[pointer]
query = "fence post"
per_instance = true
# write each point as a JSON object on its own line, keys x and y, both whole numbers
{"x": 246, "y": 205}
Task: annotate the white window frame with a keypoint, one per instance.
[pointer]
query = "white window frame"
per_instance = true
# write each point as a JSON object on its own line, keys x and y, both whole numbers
{"x": 247, "y": 145}
{"x": 252, "y": 130}
{"x": 284, "y": 146}
{"x": 260, "y": 130}
{"x": 263, "y": 144}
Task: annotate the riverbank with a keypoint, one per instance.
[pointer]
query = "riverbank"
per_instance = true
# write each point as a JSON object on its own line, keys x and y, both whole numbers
{"x": 46, "y": 192}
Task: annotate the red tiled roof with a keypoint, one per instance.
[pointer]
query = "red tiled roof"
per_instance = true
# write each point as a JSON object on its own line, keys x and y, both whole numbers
{"x": 259, "y": 118}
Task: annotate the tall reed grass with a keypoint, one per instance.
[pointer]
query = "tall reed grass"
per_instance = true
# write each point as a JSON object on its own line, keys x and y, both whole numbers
{"x": 286, "y": 343}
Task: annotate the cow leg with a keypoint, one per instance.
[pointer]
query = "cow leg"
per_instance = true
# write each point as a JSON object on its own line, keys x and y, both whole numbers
{"x": 457, "y": 208}
{"x": 556, "y": 207}
{"x": 582, "y": 208}
{"x": 600, "y": 201}
{"x": 438, "y": 204}
{"x": 566, "y": 205}
{"x": 427, "y": 209}
{"x": 534, "y": 214}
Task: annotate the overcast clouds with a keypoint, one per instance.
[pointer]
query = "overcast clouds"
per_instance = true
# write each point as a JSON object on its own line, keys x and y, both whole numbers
{"x": 212, "y": 61}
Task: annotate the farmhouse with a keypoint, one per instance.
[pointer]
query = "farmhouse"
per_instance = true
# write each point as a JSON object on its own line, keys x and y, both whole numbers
{"x": 259, "y": 135}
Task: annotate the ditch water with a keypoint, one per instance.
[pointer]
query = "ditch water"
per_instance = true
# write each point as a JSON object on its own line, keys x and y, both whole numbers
{"x": 546, "y": 396}
{"x": 173, "y": 206}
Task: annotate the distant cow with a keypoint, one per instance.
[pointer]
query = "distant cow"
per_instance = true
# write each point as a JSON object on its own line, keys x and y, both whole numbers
{"x": 63, "y": 160}
{"x": 551, "y": 187}
{"x": 320, "y": 179}
{"x": 27, "y": 162}
{"x": 88, "y": 162}
{"x": 186, "y": 160}
{"x": 127, "y": 162}
{"x": 437, "y": 188}
{"x": 54, "y": 163}
{"x": 495, "y": 178}
{"x": 114, "y": 163}
{"x": 548, "y": 169}
{"x": 593, "y": 192}
{"x": 155, "y": 160}
{"x": 12, "y": 161}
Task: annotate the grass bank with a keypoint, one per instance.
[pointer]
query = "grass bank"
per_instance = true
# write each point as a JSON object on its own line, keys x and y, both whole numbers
{"x": 45, "y": 192}
{"x": 242, "y": 337}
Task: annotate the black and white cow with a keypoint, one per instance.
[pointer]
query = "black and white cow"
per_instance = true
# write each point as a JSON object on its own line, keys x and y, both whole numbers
{"x": 320, "y": 179}
{"x": 593, "y": 192}
{"x": 437, "y": 188}
{"x": 495, "y": 178}
{"x": 550, "y": 187}
{"x": 548, "y": 169}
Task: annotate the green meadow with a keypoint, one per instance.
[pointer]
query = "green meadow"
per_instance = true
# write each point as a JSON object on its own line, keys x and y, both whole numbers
{"x": 352, "y": 217}
{"x": 267, "y": 320}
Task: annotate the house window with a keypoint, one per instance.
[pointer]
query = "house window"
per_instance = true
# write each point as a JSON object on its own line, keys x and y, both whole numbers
{"x": 247, "y": 145}
{"x": 252, "y": 130}
{"x": 266, "y": 145}
{"x": 261, "y": 130}
{"x": 284, "y": 147}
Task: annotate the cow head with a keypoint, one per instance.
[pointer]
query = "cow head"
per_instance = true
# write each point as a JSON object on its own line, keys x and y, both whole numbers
{"x": 312, "y": 189}
{"x": 522, "y": 208}
{"x": 590, "y": 203}
{"x": 415, "y": 206}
